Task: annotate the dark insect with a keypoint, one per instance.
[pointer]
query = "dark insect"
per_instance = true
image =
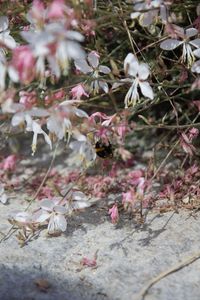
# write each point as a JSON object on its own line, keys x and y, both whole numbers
{"x": 104, "y": 150}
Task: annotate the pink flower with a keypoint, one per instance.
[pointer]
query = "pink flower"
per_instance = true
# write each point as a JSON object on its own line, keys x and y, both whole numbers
{"x": 78, "y": 91}
{"x": 186, "y": 140}
{"x": 129, "y": 199}
{"x": 28, "y": 99}
{"x": 56, "y": 9}
{"x": 89, "y": 262}
{"x": 37, "y": 11}
{"x": 23, "y": 62}
{"x": 114, "y": 214}
{"x": 9, "y": 163}
{"x": 193, "y": 133}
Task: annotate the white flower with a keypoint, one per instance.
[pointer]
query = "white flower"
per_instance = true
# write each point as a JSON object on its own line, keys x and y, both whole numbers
{"x": 36, "y": 128}
{"x": 83, "y": 151}
{"x": 77, "y": 200}
{"x": 66, "y": 47}
{"x": 5, "y": 38}
{"x": 22, "y": 115}
{"x": 146, "y": 18}
{"x": 138, "y": 73}
{"x": 91, "y": 66}
{"x": 59, "y": 122}
{"x": 3, "y": 196}
{"x": 51, "y": 211}
{"x": 188, "y": 54}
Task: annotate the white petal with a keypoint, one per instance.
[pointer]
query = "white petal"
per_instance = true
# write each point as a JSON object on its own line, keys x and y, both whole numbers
{"x": 131, "y": 64}
{"x": 38, "y": 112}
{"x": 191, "y": 32}
{"x": 82, "y": 65}
{"x": 116, "y": 85}
{"x": 61, "y": 223}
{"x": 60, "y": 209}
{"x": 195, "y": 43}
{"x": 22, "y": 217}
{"x": 2, "y": 76}
{"x": 196, "y": 67}
{"x": 78, "y": 195}
{"x": 143, "y": 71}
{"x": 74, "y": 50}
{"x": 47, "y": 139}
{"x": 3, "y": 23}
{"x": 17, "y": 119}
{"x": 135, "y": 15}
{"x": 104, "y": 86}
{"x": 52, "y": 226}
{"x": 13, "y": 74}
{"x": 93, "y": 59}
{"x": 3, "y": 198}
{"x": 8, "y": 40}
{"x": 80, "y": 113}
{"x": 197, "y": 53}
{"x": 146, "y": 19}
{"x": 41, "y": 216}
{"x": 146, "y": 89}
{"x": 46, "y": 204}
{"x": 170, "y": 44}
{"x": 81, "y": 204}
{"x": 54, "y": 125}
{"x": 74, "y": 35}
{"x": 104, "y": 69}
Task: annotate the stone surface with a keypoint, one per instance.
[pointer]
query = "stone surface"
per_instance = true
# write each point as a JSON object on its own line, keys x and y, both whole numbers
{"x": 128, "y": 256}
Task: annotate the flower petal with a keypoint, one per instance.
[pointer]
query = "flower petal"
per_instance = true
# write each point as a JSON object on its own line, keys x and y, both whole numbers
{"x": 196, "y": 67}
{"x": 143, "y": 71}
{"x": 104, "y": 69}
{"x": 191, "y": 32}
{"x": 131, "y": 65}
{"x": 197, "y": 53}
{"x": 170, "y": 44}
{"x": 22, "y": 217}
{"x": 3, "y": 23}
{"x": 195, "y": 43}
{"x": 41, "y": 216}
{"x": 61, "y": 223}
{"x": 146, "y": 89}
{"x": 104, "y": 86}
{"x": 7, "y": 40}
{"x": 93, "y": 58}
{"x": 60, "y": 209}
{"x": 82, "y": 65}
{"x": 47, "y": 204}
{"x": 17, "y": 119}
